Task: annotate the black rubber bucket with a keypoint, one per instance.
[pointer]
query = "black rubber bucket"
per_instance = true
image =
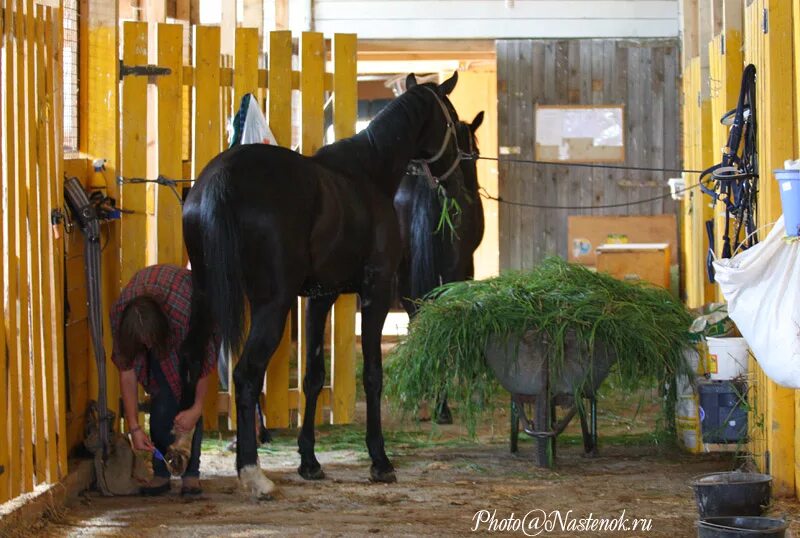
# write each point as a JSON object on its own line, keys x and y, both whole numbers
{"x": 732, "y": 494}
{"x": 741, "y": 527}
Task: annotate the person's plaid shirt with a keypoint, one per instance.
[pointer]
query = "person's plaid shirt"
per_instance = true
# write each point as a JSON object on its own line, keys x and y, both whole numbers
{"x": 171, "y": 287}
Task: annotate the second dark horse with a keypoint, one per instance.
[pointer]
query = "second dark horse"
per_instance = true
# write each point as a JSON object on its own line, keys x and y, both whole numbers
{"x": 263, "y": 224}
{"x": 433, "y": 254}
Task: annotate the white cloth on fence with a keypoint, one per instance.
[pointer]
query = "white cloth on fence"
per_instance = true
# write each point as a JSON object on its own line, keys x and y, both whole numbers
{"x": 762, "y": 288}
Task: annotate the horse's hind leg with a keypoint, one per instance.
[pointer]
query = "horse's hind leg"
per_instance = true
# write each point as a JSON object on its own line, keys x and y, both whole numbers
{"x": 317, "y": 312}
{"x": 194, "y": 347}
{"x": 267, "y": 322}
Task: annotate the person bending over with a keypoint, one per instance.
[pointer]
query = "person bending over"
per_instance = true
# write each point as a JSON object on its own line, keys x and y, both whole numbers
{"x": 148, "y": 324}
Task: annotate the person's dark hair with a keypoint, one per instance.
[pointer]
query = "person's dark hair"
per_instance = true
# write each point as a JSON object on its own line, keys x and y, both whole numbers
{"x": 142, "y": 326}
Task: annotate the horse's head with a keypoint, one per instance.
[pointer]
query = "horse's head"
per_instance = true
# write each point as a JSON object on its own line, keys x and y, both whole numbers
{"x": 468, "y": 146}
{"x": 438, "y": 153}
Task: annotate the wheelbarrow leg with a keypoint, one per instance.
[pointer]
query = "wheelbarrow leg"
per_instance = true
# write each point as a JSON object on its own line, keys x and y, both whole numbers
{"x": 514, "y": 441}
{"x": 544, "y": 444}
{"x": 593, "y": 404}
{"x": 589, "y": 446}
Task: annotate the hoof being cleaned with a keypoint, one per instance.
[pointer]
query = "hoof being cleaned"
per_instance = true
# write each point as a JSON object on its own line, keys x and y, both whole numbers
{"x": 254, "y": 482}
{"x": 179, "y": 452}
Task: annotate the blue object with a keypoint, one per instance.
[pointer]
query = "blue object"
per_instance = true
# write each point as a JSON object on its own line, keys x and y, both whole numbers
{"x": 157, "y": 453}
{"x": 789, "y": 185}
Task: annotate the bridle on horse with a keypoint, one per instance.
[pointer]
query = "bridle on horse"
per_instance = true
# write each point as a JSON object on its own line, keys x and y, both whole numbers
{"x": 736, "y": 176}
{"x": 420, "y": 167}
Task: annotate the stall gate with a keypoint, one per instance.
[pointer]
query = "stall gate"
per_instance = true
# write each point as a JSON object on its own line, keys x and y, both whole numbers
{"x": 717, "y": 44}
{"x": 33, "y": 440}
{"x": 187, "y": 112}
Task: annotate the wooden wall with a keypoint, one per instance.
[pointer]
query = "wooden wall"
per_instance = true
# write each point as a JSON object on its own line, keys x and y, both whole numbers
{"x": 643, "y": 76}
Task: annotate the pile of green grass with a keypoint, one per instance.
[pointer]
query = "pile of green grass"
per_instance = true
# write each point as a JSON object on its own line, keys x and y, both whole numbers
{"x": 644, "y": 326}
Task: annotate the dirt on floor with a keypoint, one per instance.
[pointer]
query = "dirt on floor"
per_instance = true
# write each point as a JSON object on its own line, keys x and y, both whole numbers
{"x": 444, "y": 480}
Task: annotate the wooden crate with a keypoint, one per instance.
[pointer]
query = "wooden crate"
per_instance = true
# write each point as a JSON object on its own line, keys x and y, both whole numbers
{"x": 636, "y": 261}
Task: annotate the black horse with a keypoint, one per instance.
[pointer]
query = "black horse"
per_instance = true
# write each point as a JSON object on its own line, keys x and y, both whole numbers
{"x": 432, "y": 254}
{"x": 263, "y": 224}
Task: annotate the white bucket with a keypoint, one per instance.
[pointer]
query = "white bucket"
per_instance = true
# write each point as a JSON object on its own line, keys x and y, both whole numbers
{"x": 727, "y": 358}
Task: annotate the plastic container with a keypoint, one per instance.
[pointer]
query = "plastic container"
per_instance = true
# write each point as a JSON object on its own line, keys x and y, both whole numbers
{"x": 723, "y": 414}
{"x": 732, "y": 494}
{"x": 727, "y": 358}
{"x": 741, "y": 527}
{"x": 789, "y": 185}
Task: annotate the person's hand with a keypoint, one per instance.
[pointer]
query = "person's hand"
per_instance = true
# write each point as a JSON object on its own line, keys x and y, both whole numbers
{"x": 141, "y": 441}
{"x": 185, "y": 420}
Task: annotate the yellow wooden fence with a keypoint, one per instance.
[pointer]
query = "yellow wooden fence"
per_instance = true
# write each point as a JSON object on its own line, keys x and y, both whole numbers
{"x": 33, "y": 440}
{"x": 216, "y": 83}
{"x": 760, "y": 33}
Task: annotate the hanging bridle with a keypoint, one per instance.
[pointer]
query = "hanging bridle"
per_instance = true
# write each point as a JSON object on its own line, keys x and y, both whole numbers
{"x": 420, "y": 167}
{"x": 736, "y": 176}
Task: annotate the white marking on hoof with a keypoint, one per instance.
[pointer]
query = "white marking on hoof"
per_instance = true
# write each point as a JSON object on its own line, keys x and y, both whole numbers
{"x": 253, "y": 481}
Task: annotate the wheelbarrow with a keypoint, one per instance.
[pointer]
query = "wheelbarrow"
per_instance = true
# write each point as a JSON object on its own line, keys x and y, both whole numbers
{"x": 523, "y": 367}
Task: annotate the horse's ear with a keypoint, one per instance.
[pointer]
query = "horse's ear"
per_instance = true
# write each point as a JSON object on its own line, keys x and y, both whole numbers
{"x": 411, "y": 81}
{"x": 476, "y": 122}
{"x": 447, "y": 86}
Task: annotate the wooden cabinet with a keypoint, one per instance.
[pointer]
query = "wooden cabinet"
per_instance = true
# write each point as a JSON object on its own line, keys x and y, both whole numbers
{"x": 636, "y": 261}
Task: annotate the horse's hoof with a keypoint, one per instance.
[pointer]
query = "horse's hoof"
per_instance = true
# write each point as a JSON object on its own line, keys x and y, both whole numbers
{"x": 179, "y": 452}
{"x": 311, "y": 473}
{"x": 254, "y": 483}
{"x": 385, "y": 476}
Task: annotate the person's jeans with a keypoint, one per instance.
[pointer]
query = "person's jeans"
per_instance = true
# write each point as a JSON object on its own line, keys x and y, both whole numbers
{"x": 163, "y": 409}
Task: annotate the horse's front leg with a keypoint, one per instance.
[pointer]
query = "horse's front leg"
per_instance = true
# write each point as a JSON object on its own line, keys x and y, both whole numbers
{"x": 266, "y": 329}
{"x": 375, "y": 302}
{"x": 316, "y": 313}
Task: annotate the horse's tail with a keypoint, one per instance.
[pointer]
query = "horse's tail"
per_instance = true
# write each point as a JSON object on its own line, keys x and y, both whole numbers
{"x": 223, "y": 265}
{"x": 426, "y": 246}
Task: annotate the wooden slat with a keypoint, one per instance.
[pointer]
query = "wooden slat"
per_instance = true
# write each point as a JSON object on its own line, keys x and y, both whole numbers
{"x": 48, "y": 316}
{"x": 102, "y": 122}
{"x": 343, "y": 316}
{"x": 280, "y": 122}
{"x": 4, "y": 381}
{"x": 133, "y": 161}
{"x": 245, "y": 69}
{"x": 23, "y": 282}
{"x": 168, "y": 230}
{"x": 206, "y": 143}
{"x": 312, "y": 65}
{"x": 54, "y": 87}
{"x": 35, "y": 228}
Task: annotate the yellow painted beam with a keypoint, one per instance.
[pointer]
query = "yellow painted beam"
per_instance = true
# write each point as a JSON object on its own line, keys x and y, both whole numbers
{"x": 312, "y": 70}
{"x": 5, "y": 424}
{"x": 23, "y": 281}
{"x": 102, "y": 122}
{"x": 343, "y": 316}
{"x": 35, "y": 229}
{"x": 133, "y": 159}
{"x": 54, "y": 80}
{"x": 206, "y": 143}
{"x": 245, "y": 69}
{"x": 276, "y": 410}
{"x": 167, "y": 222}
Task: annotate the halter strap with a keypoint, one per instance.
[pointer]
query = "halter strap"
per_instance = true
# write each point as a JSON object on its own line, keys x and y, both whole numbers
{"x": 421, "y": 166}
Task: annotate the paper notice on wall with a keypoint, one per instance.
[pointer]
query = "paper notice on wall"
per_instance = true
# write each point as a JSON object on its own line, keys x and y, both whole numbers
{"x": 580, "y": 133}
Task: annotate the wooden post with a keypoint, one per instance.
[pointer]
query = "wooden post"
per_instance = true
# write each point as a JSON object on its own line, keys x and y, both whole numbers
{"x": 206, "y": 144}
{"x": 34, "y": 234}
{"x": 133, "y": 161}
{"x": 5, "y": 382}
{"x": 312, "y": 65}
{"x": 102, "y": 124}
{"x": 14, "y": 474}
{"x": 343, "y": 316}
{"x": 166, "y": 222}
{"x": 55, "y": 156}
{"x": 280, "y": 123}
{"x": 20, "y": 201}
